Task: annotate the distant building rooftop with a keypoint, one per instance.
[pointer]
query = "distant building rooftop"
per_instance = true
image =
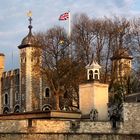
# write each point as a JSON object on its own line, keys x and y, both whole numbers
{"x": 121, "y": 53}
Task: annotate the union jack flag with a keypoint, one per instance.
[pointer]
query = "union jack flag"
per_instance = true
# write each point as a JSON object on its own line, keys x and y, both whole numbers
{"x": 64, "y": 16}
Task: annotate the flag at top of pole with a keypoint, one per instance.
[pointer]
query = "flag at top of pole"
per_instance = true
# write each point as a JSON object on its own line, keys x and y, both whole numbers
{"x": 64, "y": 17}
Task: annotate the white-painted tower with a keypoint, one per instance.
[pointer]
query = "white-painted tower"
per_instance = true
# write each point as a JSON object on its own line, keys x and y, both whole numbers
{"x": 93, "y": 94}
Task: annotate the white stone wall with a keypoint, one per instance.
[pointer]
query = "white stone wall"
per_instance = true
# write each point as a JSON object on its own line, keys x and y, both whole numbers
{"x": 94, "y": 95}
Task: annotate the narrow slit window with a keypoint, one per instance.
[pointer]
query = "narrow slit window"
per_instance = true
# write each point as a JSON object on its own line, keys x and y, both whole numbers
{"x": 47, "y": 92}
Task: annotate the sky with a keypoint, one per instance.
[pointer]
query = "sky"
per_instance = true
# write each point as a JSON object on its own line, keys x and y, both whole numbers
{"x": 14, "y": 20}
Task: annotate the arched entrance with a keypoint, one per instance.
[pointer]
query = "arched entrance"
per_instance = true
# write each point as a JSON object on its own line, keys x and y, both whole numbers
{"x": 17, "y": 109}
{"x": 46, "y": 107}
{"x": 6, "y": 110}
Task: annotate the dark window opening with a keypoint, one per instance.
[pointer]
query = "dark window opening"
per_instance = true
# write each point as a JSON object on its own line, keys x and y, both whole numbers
{"x": 17, "y": 109}
{"x": 47, "y": 92}
{"x": 6, "y": 99}
{"x": 96, "y": 77}
{"x": 96, "y": 71}
{"x": 90, "y": 75}
{"x": 6, "y": 110}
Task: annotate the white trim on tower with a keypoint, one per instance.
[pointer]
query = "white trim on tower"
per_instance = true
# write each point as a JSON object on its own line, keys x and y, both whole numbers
{"x": 28, "y": 79}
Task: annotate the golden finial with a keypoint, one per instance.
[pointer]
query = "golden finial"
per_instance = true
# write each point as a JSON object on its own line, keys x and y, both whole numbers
{"x": 29, "y": 14}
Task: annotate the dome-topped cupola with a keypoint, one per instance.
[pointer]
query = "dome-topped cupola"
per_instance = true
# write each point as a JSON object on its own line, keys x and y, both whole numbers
{"x": 93, "y": 71}
{"x": 29, "y": 39}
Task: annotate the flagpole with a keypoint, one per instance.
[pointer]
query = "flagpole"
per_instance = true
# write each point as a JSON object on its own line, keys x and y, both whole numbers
{"x": 69, "y": 25}
{"x": 69, "y": 34}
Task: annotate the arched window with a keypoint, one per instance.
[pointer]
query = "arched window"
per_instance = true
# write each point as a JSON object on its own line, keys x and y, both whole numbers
{"x": 47, "y": 92}
{"x": 6, "y": 99}
{"x": 90, "y": 75}
{"x": 6, "y": 110}
{"x": 46, "y": 107}
{"x": 17, "y": 109}
{"x": 96, "y": 75}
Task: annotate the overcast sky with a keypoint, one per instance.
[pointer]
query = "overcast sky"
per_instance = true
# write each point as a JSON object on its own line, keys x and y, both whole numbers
{"x": 14, "y": 23}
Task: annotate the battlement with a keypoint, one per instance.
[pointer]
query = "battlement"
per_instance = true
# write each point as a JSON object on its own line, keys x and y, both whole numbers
{"x": 10, "y": 73}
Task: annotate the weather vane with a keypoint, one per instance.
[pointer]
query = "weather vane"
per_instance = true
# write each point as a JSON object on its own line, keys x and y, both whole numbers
{"x": 29, "y": 14}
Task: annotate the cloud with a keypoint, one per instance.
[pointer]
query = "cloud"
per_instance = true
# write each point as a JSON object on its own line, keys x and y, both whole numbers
{"x": 14, "y": 23}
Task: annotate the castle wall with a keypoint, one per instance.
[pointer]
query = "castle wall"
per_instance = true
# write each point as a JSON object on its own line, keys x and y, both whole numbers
{"x": 68, "y": 137}
{"x": 131, "y": 115}
{"x": 36, "y": 82}
{"x": 10, "y": 86}
{"x": 57, "y": 129}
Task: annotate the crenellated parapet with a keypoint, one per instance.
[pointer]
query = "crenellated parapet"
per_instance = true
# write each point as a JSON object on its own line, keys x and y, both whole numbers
{"x": 10, "y": 91}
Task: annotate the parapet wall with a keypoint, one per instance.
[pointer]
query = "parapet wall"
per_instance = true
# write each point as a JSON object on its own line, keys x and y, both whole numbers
{"x": 57, "y": 129}
{"x": 65, "y": 127}
{"x": 65, "y": 130}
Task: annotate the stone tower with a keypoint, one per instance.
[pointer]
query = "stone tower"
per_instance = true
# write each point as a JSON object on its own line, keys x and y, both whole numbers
{"x": 93, "y": 94}
{"x": 2, "y": 58}
{"x": 121, "y": 65}
{"x": 30, "y": 81}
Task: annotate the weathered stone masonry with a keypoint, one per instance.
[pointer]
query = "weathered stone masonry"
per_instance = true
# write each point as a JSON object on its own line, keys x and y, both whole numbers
{"x": 56, "y": 129}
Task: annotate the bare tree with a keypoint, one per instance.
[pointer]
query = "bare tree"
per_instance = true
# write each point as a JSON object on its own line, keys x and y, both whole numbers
{"x": 83, "y": 37}
{"x": 65, "y": 60}
{"x": 61, "y": 71}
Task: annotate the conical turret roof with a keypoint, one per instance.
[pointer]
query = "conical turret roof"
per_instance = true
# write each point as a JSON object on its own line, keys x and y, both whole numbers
{"x": 121, "y": 53}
